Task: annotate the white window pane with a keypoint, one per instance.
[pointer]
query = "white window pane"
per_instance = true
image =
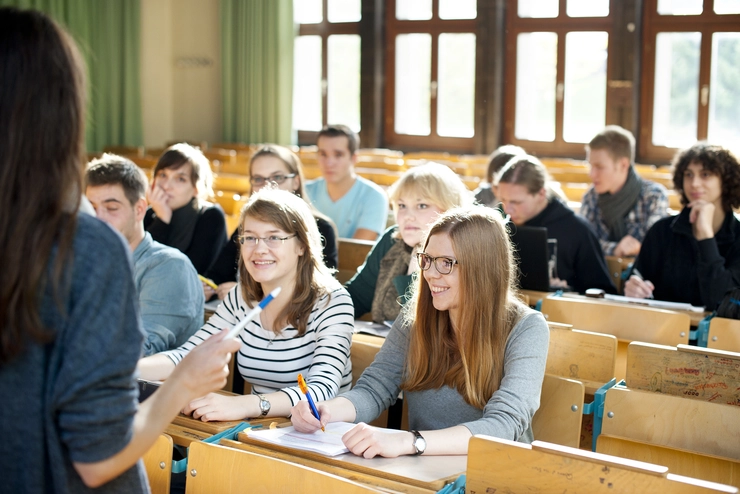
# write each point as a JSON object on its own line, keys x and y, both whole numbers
{"x": 343, "y": 105}
{"x": 538, "y": 8}
{"x": 727, "y": 6}
{"x": 458, "y": 9}
{"x": 676, "y": 93}
{"x": 456, "y": 85}
{"x": 307, "y": 83}
{"x": 584, "y": 106}
{"x": 724, "y": 92}
{"x": 413, "y": 10}
{"x": 536, "y": 71}
{"x": 680, "y": 7}
{"x": 587, "y": 8}
{"x": 307, "y": 11}
{"x": 413, "y": 77}
{"x": 343, "y": 11}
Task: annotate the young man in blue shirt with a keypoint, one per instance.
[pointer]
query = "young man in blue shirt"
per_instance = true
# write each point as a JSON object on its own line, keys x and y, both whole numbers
{"x": 358, "y": 207}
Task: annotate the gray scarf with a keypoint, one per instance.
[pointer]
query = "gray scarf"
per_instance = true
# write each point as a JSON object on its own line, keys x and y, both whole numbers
{"x": 615, "y": 207}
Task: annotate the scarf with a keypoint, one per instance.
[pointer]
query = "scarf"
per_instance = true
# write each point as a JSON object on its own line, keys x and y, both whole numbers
{"x": 615, "y": 207}
{"x": 182, "y": 225}
{"x": 395, "y": 262}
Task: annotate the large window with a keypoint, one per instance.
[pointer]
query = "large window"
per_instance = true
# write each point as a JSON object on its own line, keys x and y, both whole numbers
{"x": 430, "y": 74}
{"x": 556, "y": 83}
{"x": 691, "y": 69}
{"x": 326, "y": 69}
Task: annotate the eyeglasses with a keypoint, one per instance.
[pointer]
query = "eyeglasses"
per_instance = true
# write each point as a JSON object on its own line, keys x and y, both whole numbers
{"x": 278, "y": 179}
{"x": 272, "y": 241}
{"x": 443, "y": 265}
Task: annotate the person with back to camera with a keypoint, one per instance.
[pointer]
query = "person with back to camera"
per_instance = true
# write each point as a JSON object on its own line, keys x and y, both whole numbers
{"x": 179, "y": 215}
{"x": 694, "y": 257}
{"x": 306, "y": 329}
{"x": 70, "y": 334}
{"x": 418, "y": 198}
{"x": 277, "y": 165}
{"x": 467, "y": 354}
{"x": 529, "y": 199}
{"x": 485, "y": 194}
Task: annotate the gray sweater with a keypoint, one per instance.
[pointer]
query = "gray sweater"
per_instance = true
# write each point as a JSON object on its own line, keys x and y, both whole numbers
{"x": 508, "y": 413}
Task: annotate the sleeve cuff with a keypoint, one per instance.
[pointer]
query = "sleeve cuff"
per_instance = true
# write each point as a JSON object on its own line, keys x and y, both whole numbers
{"x": 708, "y": 251}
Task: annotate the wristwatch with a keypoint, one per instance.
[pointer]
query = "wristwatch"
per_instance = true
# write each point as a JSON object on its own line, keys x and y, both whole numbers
{"x": 264, "y": 406}
{"x": 420, "y": 444}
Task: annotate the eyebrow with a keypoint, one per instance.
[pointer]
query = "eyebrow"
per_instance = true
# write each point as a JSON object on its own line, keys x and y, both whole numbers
{"x": 106, "y": 201}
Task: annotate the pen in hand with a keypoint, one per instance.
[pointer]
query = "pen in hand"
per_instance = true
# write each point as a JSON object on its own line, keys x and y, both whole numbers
{"x": 208, "y": 282}
{"x": 304, "y": 390}
{"x": 639, "y": 275}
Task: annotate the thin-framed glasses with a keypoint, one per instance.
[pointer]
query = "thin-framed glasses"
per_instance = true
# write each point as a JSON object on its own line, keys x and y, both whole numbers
{"x": 278, "y": 179}
{"x": 272, "y": 241}
{"x": 442, "y": 264}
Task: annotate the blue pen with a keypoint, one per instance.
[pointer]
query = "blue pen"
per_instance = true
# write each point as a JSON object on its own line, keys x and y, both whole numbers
{"x": 253, "y": 313}
{"x": 304, "y": 389}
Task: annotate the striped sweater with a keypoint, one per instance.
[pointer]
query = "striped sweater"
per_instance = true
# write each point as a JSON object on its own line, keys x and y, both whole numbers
{"x": 271, "y": 362}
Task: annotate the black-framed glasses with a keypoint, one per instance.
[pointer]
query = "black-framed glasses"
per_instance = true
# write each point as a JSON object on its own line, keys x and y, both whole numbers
{"x": 278, "y": 179}
{"x": 272, "y": 241}
{"x": 443, "y": 264}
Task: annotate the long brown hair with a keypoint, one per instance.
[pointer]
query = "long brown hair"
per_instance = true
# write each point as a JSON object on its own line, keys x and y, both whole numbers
{"x": 470, "y": 356}
{"x": 292, "y": 215}
{"x": 42, "y": 116}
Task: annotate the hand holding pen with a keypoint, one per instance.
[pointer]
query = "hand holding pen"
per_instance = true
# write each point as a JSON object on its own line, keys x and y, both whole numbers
{"x": 638, "y": 287}
{"x": 304, "y": 390}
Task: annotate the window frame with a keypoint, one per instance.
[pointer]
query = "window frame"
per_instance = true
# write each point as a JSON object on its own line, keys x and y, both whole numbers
{"x": 561, "y": 25}
{"x": 707, "y": 23}
{"x": 434, "y": 27}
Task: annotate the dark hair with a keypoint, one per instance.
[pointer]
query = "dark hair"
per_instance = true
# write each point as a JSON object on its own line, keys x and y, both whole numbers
{"x": 111, "y": 169}
{"x": 42, "y": 132}
{"x": 729, "y": 307}
{"x": 500, "y": 157}
{"x": 718, "y": 161}
{"x": 353, "y": 140}
{"x": 617, "y": 141}
{"x": 181, "y": 154}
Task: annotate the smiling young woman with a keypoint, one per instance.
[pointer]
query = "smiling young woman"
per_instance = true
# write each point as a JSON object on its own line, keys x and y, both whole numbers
{"x": 418, "y": 198}
{"x": 695, "y": 257}
{"x": 306, "y": 329}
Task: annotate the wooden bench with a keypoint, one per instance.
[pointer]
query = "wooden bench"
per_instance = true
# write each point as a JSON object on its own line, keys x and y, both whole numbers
{"x": 559, "y": 418}
{"x": 581, "y": 355}
{"x": 616, "y": 265}
{"x": 362, "y": 353}
{"x": 681, "y": 462}
{"x": 352, "y": 254}
{"x": 215, "y": 469}
{"x": 724, "y": 334}
{"x": 626, "y": 322}
{"x": 497, "y": 465}
{"x": 158, "y": 464}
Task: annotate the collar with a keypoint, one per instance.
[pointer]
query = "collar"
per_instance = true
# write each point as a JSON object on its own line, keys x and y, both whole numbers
{"x": 143, "y": 246}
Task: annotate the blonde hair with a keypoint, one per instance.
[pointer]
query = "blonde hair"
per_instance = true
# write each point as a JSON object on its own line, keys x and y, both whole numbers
{"x": 291, "y": 214}
{"x": 432, "y": 181}
{"x": 469, "y": 357}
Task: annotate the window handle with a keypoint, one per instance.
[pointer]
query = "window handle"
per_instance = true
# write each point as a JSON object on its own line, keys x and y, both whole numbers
{"x": 324, "y": 86}
{"x": 705, "y": 95}
{"x": 433, "y": 89}
{"x": 559, "y": 91}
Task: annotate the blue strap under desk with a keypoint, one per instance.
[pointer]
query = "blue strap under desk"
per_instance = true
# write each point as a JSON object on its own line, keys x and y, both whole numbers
{"x": 701, "y": 333}
{"x": 596, "y": 408}
{"x": 538, "y": 305}
{"x": 181, "y": 465}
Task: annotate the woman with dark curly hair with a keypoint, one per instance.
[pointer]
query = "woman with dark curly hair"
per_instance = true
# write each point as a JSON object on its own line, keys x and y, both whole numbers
{"x": 694, "y": 257}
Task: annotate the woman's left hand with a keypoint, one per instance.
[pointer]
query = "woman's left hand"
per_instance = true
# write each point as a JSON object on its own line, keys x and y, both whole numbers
{"x": 217, "y": 407}
{"x": 369, "y": 442}
{"x": 701, "y": 217}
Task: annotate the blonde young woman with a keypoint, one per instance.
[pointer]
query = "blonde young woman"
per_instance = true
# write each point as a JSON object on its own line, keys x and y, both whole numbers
{"x": 280, "y": 167}
{"x": 467, "y": 354}
{"x": 306, "y": 329}
{"x": 418, "y": 198}
{"x": 179, "y": 214}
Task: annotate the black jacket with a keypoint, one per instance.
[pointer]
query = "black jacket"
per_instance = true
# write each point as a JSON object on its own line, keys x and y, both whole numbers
{"x": 580, "y": 258}
{"x": 686, "y": 270}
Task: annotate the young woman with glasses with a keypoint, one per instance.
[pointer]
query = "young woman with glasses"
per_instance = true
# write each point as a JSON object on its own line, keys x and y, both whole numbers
{"x": 280, "y": 167}
{"x": 421, "y": 194}
{"x": 467, "y": 354}
{"x": 306, "y": 329}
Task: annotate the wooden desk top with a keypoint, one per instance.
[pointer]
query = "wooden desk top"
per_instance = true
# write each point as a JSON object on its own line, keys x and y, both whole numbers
{"x": 414, "y": 473}
{"x": 535, "y": 296}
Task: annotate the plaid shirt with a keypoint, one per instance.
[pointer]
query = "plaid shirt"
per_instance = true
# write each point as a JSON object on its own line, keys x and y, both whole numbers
{"x": 651, "y": 205}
